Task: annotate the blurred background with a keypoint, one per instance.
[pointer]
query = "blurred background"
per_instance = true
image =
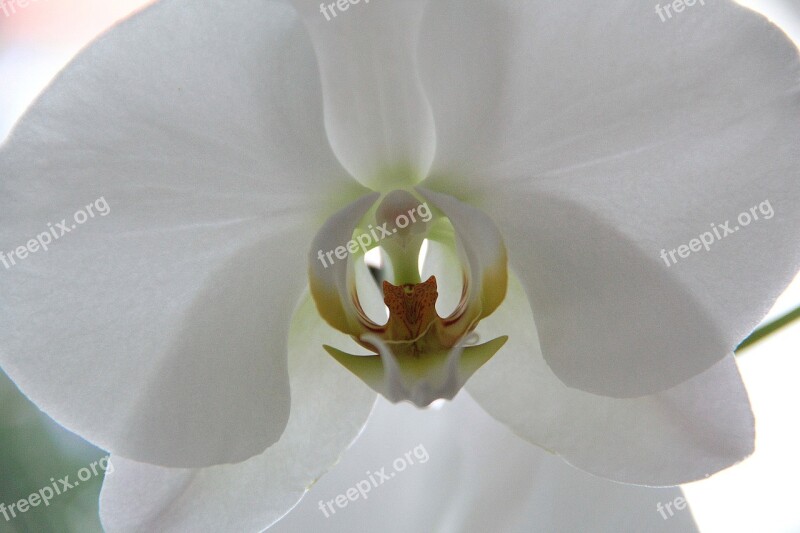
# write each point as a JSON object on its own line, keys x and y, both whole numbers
{"x": 760, "y": 494}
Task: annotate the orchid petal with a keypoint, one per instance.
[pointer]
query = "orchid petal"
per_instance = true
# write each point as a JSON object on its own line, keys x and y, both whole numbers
{"x": 370, "y": 295}
{"x": 611, "y": 320}
{"x": 254, "y": 494}
{"x": 377, "y": 116}
{"x": 460, "y": 471}
{"x": 592, "y": 158}
{"x": 159, "y": 332}
{"x": 481, "y": 248}
{"x": 333, "y": 279}
{"x": 683, "y": 434}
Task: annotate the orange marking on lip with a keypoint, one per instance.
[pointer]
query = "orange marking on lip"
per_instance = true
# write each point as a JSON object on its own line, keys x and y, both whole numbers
{"x": 412, "y": 308}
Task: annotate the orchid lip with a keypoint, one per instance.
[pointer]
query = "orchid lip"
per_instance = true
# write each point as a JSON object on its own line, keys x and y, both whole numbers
{"x": 417, "y": 354}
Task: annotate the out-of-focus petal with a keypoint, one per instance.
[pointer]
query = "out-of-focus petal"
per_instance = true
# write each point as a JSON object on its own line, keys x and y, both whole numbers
{"x": 459, "y": 471}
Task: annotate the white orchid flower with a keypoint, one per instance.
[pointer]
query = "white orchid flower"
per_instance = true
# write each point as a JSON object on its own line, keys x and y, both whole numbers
{"x": 558, "y": 147}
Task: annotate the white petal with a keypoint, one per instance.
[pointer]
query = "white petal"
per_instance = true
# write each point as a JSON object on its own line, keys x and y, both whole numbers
{"x": 470, "y": 475}
{"x": 680, "y": 435}
{"x": 159, "y": 331}
{"x": 329, "y": 408}
{"x": 611, "y": 320}
{"x": 606, "y": 136}
{"x": 378, "y": 119}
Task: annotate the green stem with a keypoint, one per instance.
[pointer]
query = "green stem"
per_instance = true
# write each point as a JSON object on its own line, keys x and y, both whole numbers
{"x": 769, "y": 329}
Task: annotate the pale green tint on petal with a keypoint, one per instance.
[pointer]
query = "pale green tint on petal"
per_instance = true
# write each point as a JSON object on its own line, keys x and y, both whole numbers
{"x": 437, "y": 363}
{"x": 332, "y": 278}
{"x": 422, "y": 380}
{"x": 159, "y": 331}
{"x": 329, "y": 408}
{"x": 377, "y": 116}
{"x": 481, "y": 250}
{"x": 683, "y": 434}
{"x": 596, "y": 136}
